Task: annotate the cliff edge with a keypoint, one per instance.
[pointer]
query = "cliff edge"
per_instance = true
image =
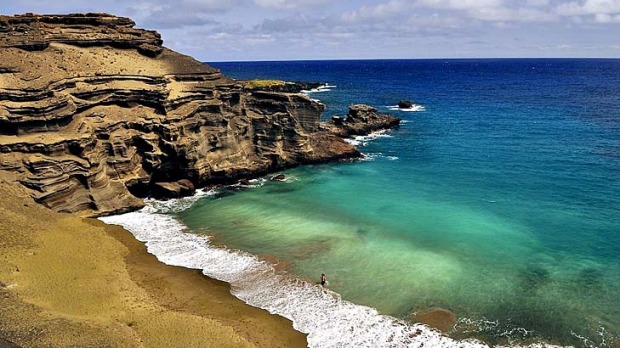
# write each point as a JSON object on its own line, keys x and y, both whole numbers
{"x": 96, "y": 114}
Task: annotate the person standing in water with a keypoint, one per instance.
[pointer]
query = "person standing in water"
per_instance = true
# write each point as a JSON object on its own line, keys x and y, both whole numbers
{"x": 323, "y": 279}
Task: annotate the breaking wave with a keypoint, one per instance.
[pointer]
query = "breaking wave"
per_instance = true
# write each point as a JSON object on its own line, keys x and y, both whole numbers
{"x": 413, "y": 108}
{"x": 328, "y": 320}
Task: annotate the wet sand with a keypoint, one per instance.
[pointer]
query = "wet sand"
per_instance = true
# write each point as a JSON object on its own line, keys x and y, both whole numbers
{"x": 69, "y": 281}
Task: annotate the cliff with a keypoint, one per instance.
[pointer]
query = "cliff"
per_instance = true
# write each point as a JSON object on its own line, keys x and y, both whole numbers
{"x": 96, "y": 114}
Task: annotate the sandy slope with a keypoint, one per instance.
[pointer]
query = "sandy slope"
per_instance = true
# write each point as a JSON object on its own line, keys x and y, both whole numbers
{"x": 68, "y": 282}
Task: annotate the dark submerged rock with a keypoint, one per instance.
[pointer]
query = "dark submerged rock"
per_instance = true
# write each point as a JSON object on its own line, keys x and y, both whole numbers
{"x": 279, "y": 177}
{"x": 438, "y": 318}
{"x": 245, "y": 182}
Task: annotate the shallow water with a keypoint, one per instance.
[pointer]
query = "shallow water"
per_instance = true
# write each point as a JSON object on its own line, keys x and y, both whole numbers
{"x": 414, "y": 254}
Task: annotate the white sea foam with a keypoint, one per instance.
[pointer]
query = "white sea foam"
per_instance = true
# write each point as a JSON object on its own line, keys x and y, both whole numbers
{"x": 324, "y": 88}
{"x": 178, "y": 205}
{"x": 328, "y": 320}
{"x": 287, "y": 178}
{"x": 353, "y": 141}
{"x": 413, "y": 108}
{"x": 252, "y": 183}
{"x": 377, "y": 155}
{"x": 602, "y": 333}
{"x": 368, "y": 157}
{"x": 362, "y": 140}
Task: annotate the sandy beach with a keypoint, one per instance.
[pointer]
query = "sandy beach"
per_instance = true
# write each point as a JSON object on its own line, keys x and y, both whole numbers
{"x": 71, "y": 281}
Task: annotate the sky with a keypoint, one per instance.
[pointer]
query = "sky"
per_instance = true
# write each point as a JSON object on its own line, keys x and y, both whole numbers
{"x": 250, "y": 30}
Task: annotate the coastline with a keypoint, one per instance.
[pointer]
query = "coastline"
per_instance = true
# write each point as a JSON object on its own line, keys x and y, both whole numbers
{"x": 126, "y": 297}
{"x": 328, "y": 320}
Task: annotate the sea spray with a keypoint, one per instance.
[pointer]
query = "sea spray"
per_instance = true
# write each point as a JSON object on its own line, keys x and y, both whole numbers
{"x": 413, "y": 108}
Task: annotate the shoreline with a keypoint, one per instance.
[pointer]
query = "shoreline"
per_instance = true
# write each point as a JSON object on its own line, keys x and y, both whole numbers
{"x": 66, "y": 281}
{"x": 329, "y": 320}
{"x": 189, "y": 290}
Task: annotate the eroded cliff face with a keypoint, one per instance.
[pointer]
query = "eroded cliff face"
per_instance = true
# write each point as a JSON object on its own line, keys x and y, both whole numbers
{"x": 95, "y": 115}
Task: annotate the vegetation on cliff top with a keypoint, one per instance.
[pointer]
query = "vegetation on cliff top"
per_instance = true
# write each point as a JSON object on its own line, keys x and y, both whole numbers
{"x": 258, "y": 83}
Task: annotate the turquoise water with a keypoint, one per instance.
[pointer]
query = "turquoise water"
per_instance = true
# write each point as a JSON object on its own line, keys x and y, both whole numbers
{"x": 500, "y": 202}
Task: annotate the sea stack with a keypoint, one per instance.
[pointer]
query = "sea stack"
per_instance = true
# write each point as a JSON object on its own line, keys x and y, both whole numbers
{"x": 361, "y": 120}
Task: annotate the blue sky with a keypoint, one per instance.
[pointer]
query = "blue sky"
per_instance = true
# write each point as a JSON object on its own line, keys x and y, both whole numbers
{"x": 223, "y": 30}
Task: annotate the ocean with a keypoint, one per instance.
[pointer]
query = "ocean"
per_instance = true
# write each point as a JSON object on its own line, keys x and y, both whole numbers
{"x": 498, "y": 199}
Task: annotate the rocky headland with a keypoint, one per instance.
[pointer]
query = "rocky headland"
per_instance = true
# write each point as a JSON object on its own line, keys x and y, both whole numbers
{"x": 96, "y": 115}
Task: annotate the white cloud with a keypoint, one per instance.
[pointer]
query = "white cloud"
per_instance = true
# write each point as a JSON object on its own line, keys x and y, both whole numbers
{"x": 502, "y": 14}
{"x": 589, "y": 7}
{"x": 558, "y": 47}
{"x": 461, "y": 4}
{"x": 162, "y": 14}
{"x": 435, "y": 21}
{"x": 499, "y": 11}
{"x": 605, "y": 18}
{"x": 291, "y": 4}
{"x": 205, "y": 5}
{"x": 591, "y": 11}
{"x": 288, "y": 24}
{"x": 537, "y": 3}
{"x": 378, "y": 12}
{"x": 279, "y": 4}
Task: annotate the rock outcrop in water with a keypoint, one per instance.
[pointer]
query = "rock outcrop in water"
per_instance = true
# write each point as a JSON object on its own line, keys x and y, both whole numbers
{"x": 405, "y": 104}
{"x": 95, "y": 115}
{"x": 361, "y": 120}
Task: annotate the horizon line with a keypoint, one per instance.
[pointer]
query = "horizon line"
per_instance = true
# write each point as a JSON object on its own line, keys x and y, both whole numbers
{"x": 401, "y": 59}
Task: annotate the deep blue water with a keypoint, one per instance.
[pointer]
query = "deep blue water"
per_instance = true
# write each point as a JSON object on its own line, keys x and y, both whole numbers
{"x": 499, "y": 202}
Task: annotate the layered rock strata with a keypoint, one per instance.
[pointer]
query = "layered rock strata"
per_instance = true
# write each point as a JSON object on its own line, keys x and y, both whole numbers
{"x": 95, "y": 115}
